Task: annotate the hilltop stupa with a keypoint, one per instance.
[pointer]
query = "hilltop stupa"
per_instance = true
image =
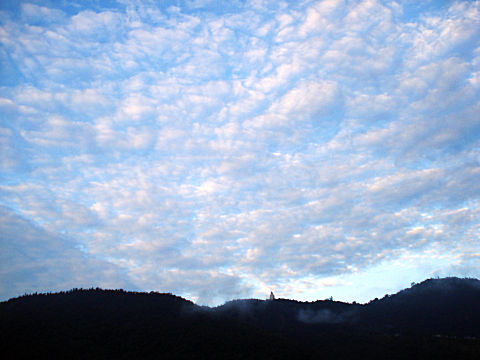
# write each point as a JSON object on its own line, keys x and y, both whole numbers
{"x": 272, "y": 297}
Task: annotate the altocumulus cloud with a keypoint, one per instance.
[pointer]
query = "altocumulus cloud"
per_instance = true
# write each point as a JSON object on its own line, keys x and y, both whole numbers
{"x": 219, "y": 151}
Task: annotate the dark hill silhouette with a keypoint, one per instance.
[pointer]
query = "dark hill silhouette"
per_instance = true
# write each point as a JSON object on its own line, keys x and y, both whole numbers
{"x": 115, "y": 324}
{"x": 449, "y": 306}
{"x": 438, "y": 318}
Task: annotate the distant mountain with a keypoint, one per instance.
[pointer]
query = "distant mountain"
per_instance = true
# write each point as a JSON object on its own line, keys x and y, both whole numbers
{"x": 438, "y": 318}
{"x": 114, "y": 324}
{"x": 449, "y": 306}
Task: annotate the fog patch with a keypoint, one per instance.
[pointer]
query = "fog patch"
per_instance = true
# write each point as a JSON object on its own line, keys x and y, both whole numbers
{"x": 243, "y": 306}
{"x": 324, "y": 316}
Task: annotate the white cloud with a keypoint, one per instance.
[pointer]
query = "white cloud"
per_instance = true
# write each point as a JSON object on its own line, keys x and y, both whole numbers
{"x": 308, "y": 99}
{"x": 280, "y": 146}
{"x": 57, "y": 131}
{"x": 34, "y": 12}
{"x": 90, "y": 23}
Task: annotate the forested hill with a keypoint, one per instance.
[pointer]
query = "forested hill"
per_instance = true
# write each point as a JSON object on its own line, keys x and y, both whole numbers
{"x": 438, "y": 318}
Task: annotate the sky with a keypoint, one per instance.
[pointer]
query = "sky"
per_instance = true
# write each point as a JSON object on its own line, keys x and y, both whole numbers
{"x": 224, "y": 149}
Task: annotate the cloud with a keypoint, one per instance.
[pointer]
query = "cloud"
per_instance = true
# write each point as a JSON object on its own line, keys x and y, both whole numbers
{"x": 59, "y": 132}
{"x": 40, "y": 14}
{"x": 34, "y": 259}
{"x": 311, "y": 98}
{"x": 12, "y": 158}
{"x": 222, "y": 152}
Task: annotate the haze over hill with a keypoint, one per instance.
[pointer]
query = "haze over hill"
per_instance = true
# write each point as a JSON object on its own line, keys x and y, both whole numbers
{"x": 437, "y": 318}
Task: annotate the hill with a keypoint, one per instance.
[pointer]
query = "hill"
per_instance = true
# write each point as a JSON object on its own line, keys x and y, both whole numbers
{"x": 438, "y": 318}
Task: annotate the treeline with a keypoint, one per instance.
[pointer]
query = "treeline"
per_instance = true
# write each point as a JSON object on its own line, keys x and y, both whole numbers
{"x": 438, "y": 318}
{"x": 88, "y": 290}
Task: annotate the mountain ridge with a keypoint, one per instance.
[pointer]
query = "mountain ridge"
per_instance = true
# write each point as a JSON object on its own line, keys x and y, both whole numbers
{"x": 437, "y": 317}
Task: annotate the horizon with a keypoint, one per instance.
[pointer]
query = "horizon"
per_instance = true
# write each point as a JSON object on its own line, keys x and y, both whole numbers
{"x": 266, "y": 298}
{"x": 221, "y": 150}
